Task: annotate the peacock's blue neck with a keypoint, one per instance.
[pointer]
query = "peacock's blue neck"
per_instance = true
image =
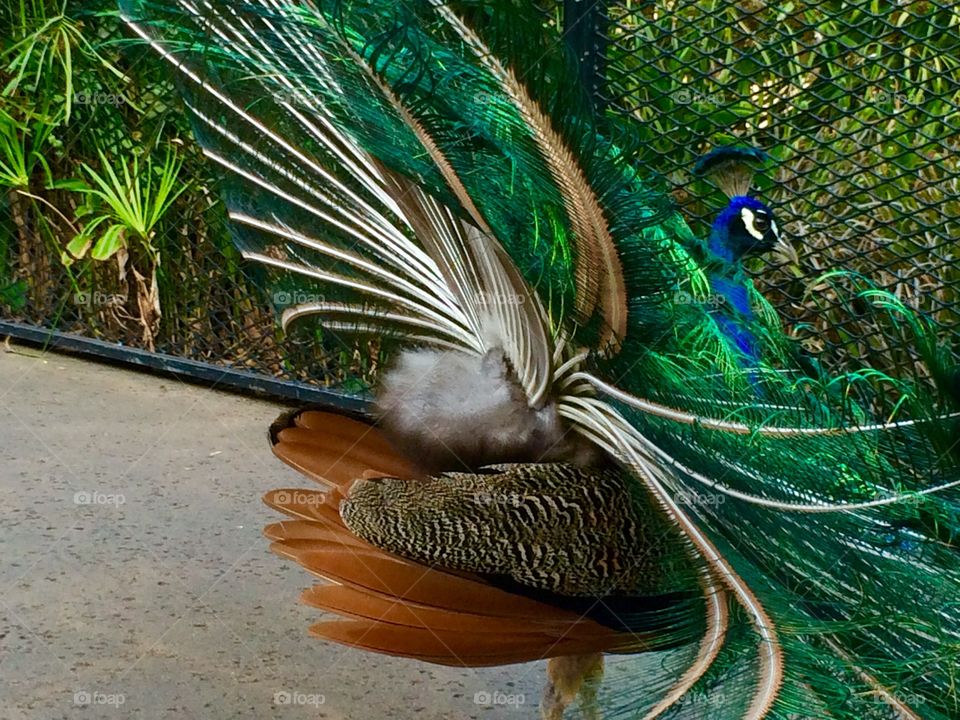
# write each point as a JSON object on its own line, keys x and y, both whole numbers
{"x": 734, "y": 293}
{"x": 719, "y": 241}
{"x": 734, "y": 315}
{"x": 728, "y": 281}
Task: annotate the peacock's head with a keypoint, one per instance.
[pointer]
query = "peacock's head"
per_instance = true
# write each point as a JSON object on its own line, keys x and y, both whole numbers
{"x": 746, "y": 226}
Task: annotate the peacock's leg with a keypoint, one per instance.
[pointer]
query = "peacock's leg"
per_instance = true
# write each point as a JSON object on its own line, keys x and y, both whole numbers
{"x": 566, "y": 677}
{"x": 589, "y": 706}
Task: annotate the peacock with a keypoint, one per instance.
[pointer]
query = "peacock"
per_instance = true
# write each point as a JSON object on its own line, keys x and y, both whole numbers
{"x": 576, "y": 448}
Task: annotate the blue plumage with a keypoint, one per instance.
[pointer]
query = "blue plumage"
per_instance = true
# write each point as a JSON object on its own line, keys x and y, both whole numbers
{"x": 745, "y": 227}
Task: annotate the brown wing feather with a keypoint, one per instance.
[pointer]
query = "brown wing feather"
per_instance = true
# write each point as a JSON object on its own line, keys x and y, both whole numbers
{"x": 310, "y": 505}
{"x": 353, "y": 603}
{"x": 455, "y": 647}
{"x": 336, "y": 450}
{"x": 397, "y": 606}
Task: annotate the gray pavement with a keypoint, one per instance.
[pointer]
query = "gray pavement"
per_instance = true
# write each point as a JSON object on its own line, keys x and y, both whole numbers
{"x": 134, "y": 581}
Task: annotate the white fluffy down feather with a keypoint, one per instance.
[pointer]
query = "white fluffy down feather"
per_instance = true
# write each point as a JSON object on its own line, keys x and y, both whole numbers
{"x": 457, "y": 411}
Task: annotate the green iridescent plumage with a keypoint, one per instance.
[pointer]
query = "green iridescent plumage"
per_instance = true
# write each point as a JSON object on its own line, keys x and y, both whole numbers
{"x": 827, "y": 505}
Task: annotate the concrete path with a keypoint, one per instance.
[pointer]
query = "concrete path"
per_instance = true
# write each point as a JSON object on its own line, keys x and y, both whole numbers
{"x": 134, "y": 581}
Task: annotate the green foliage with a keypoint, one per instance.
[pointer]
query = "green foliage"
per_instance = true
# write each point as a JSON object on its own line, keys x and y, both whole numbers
{"x": 13, "y": 295}
{"x": 21, "y": 150}
{"x": 135, "y": 203}
{"x": 41, "y": 60}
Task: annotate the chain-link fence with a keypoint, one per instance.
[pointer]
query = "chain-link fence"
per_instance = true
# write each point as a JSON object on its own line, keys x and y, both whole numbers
{"x": 858, "y": 103}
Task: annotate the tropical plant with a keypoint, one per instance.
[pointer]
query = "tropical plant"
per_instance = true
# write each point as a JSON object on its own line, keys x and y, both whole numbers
{"x": 21, "y": 150}
{"x": 43, "y": 60}
{"x": 132, "y": 204}
{"x": 121, "y": 213}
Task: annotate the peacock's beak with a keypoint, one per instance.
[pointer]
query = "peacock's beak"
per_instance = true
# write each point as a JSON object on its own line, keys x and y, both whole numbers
{"x": 780, "y": 245}
{"x": 787, "y": 250}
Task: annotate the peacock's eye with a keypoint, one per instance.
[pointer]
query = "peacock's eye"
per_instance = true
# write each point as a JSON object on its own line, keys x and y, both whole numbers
{"x": 755, "y": 223}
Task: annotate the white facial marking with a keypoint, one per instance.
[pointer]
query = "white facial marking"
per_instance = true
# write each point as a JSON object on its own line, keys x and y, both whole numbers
{"x": 748, "y": 222}
{"x": 776, "y": 230}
